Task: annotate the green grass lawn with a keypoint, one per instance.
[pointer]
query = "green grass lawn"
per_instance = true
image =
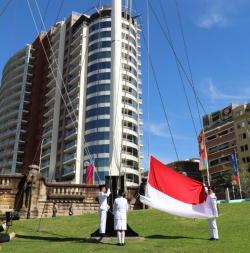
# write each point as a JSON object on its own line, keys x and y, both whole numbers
{"x": 162, "y": 232}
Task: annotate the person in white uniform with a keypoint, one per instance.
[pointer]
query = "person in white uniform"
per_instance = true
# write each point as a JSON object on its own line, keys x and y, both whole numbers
{"x": 103, "y": 208}
{"x": 120, "y": 209}
{"x": 212, "y": 200}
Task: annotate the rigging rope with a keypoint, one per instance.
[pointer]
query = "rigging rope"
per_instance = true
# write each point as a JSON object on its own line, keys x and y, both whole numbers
{"x": 45, "y": 13}
{"x": 178, "y": 69}
{"x": 188, "y": 60}
{"x": 47, "y": 58}
{"x": 159, "y": 91}
{"x": 5, "y": 8}
{"x": 175, "y": 55}
{"x": 61, "y": 76}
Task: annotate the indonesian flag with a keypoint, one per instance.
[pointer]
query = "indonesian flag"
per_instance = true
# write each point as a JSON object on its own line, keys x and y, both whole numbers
{"x": 90, "y": 174}
{"x": 174, "y": 193}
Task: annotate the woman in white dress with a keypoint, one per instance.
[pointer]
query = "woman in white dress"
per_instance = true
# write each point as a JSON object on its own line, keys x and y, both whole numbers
{"x": 120, "y": 209}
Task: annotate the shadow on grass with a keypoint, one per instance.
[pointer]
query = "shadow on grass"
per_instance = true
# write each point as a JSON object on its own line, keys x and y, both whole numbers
{"x": 62, "y": 239}
{"x": 55, "y": 238}
{"x": 172, "y": 237}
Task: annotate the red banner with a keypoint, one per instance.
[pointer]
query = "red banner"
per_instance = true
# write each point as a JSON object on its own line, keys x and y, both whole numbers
{"x": 90, "y": 174}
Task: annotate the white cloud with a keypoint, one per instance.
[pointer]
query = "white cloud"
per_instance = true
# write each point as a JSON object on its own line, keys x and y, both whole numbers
{"x": 161, "y": 130}
{"x": 214, "y": 93}
{"x": 211, "y": 20}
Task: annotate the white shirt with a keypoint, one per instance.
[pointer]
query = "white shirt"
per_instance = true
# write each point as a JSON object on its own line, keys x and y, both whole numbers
{"x": 102, "y": 199}
{"x": 120, "y": 208}
{"x": 212, "y": 200}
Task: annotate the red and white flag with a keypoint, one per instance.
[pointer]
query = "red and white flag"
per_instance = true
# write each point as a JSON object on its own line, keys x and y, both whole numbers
{"x": 90, "y": 174}
{"x": 174, "y": 193}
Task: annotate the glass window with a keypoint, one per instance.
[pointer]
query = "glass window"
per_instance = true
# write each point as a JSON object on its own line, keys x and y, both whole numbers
{"x": 99, "y": 77}
{"x": 100, "y": 44}
{"x": 98, "y": 111}
{"x": 99, "y": 65}
{"x": 99, "y": 25}
{"x": 129, "y": 28}
{"x": 99, "y": 55}
{"x": 98, "y": 87}
{"x": 98, "y": 99}
{"x": 95, "y": 149}
{"x": 129, "y": 90}
{"x": 130, "y": 113}
{"x": 97, "y": 124}
{"x": 214, "y": 162}
{"x": 99, "y": 35}
{"x": 102, "y": 162}
{"x": 97, "y": 136}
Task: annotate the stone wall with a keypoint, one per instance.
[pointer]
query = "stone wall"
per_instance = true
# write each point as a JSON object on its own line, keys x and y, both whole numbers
{"x": 82, "y": 198}
{"x": 9, "y": 185}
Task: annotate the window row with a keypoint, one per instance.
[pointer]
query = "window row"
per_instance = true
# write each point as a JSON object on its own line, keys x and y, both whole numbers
{"x": 98, "y": 111}
{"x": 98, "y": 99}
{"x": 132, "y": 178}
{"x": 129, "y": 28}
{"x": 130, "y": 102}
{"x": 96, "y": 149}
{"x": 129, "y": 90}
{"x": 130, "y": 164}
{"x": 129, "y": 79}
{"x": 244, "y": 148}
{"x": 97, "y": 136}
{"x": 130, "y": 125}
{"x": 97, "y": 124}
{"x": 130, "y": 138}
{"x": 129, "y": 48}
{"x": 130, "y": 151}
{"x": 99, "y": 65}
{"x": 99, "y": 77}
{"x": 129, "y": 38}
{"x": 100, "y": 44}
{"x": 220, "y": 160}
{"x": 99, "y": 35}
{"x": 220, "y": 147}
{"x": 130, "y": 69}
{"x": 246, "y": 159}
{"x": 99, "y": 87}
{"x": 130, "y": 113}
{"x": 128, "y": 57}
{"x": 99, "y": 55}
{"x": 99, "y": 25}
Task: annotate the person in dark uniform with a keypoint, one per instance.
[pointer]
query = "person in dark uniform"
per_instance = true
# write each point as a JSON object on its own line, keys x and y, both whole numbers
{"x": 71, "y": 210}
{"x": 54, "y": 210}
{"x": 6, "y": 237}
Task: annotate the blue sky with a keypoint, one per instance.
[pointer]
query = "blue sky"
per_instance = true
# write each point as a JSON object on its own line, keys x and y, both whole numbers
{"x": 218, "y": 39}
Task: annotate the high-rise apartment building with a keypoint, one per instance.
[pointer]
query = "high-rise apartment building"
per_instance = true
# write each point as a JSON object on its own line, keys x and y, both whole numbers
{"x": 242, "y": 134}
{"x": 227, "y": 131}
{"x": 15, "y": 93}
{"x": 90, "y": 98}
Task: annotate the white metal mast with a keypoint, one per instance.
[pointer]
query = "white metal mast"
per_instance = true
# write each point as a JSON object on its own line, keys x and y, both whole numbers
{"x": 116, "y": 89}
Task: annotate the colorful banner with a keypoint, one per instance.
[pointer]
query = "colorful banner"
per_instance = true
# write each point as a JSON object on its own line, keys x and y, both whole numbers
{"x": 203, "y": 165}
{"x": 233, "y": 159}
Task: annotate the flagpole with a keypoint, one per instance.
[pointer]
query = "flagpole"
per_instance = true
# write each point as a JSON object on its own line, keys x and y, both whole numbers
{"x": 207, "y": 166}
{"x": 238, "y": 173}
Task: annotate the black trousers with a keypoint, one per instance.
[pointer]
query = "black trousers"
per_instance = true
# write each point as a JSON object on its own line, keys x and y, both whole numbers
{"x": 4, "y": 238}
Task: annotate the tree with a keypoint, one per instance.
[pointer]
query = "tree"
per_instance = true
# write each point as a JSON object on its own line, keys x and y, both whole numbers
{"x": 245, "y": 182}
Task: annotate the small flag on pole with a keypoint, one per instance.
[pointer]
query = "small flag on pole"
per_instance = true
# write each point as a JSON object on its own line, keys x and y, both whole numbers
{"x": 203, "y": 165}
{"x": 90, "y": 174}
{"x": 233, "y": 159}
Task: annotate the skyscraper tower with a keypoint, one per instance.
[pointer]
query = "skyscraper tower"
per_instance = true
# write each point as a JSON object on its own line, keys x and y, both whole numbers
{"x": 92, "y": 97}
